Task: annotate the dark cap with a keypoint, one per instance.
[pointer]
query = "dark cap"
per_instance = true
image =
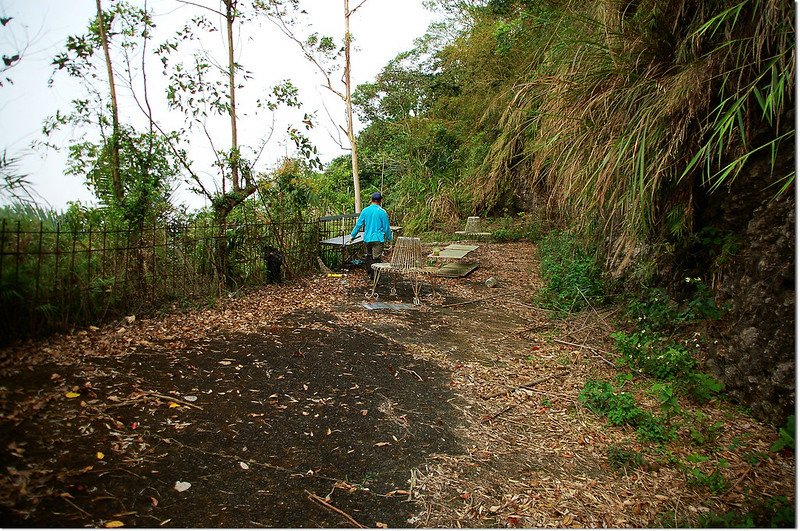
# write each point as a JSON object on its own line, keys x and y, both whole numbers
{"x": 377, "y": 196}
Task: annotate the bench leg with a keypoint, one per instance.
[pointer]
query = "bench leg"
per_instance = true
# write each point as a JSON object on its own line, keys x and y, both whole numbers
{"x": 415, "y": 285}
{"x": 376, "y": 276}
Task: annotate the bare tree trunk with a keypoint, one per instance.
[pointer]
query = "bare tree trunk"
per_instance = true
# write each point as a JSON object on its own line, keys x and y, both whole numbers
{"x": 349, "y": 106}
{"x": 116, "y": 178}
{"x": 230, "y": 15}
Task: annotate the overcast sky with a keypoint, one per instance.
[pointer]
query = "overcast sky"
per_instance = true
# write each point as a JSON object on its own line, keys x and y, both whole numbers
{"x": 381, "y": 28}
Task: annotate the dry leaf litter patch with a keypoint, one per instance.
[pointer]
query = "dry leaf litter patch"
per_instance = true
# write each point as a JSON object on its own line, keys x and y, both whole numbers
{"x": 295, "y": 406}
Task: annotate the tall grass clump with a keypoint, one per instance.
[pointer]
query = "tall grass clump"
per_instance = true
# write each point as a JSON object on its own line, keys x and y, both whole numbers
{"x": 624, "y": 112}
{"x": 571, "y": 273}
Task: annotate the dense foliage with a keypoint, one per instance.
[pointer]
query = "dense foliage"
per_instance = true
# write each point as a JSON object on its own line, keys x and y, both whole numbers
{"x": 617, "y": 116}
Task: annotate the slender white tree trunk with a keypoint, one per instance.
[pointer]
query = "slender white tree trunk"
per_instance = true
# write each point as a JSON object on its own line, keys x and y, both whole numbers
{"x": 349, "y": 106}
{"x": 116, "y": 177}
{"x": 230, "y": 15}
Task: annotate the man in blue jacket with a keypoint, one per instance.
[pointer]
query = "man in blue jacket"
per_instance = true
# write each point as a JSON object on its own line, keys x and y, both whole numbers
{"x": 377, "y": 232}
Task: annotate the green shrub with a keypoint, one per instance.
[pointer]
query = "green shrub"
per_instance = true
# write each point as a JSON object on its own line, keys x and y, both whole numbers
{"x": 667, "y": 400}
{"x": 701, "y": 387}
{"x": 715, "y": 481}
{"x": 653, "y": 312}
{"x": 620, "y": 408}
{"x": 775, "y": 512}
{"x": 531, "y": 232}
{"x": 646, "y": 353}
{"x": 654, "y": 429}
{"x": 572, "y": 276}
{"x": 601, "y": 398}
{"x": 703, "y": 432}
{"x": 622, "y": 458}
{"x": 701, "y": 305}
{"x": 785, "y": 436}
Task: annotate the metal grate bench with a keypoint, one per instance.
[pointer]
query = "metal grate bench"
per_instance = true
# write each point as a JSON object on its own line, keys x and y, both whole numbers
{"x": 406, "y": 261}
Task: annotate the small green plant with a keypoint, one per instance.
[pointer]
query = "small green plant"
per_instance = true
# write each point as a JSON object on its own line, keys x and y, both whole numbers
{"x": 514, "y": 234}
{"x": 735, "y": 444}
{"x": 780, "y": 511}
{"x": 696, "y": 458}
{"x": 774, "y": 512}
{"x": 701, "y": 305}
{"x": 620, "y": 408}
{"x": 623, "y": 458}
{"x": 564, "y": 360}
{"x": 596, "y": 395}
{"x": 644, "y": 352}
{"x": 623, "y": 378}
{"x": 667, "y": 401}
{"x": 702, "y": 387}
{"x": 755, "y": 457}
{"x": 704, "y": 433}
{"x": 785, "y": 436}
{"x": 601, "y": 398}
{"x": 654, "y": 429}
{"x": 715, "y": 481}
{"x": 654, "y": 312}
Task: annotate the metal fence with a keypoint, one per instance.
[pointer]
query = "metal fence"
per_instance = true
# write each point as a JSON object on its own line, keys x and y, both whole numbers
{"x": 341, "y": 225}
{"x": 53, "y": 277}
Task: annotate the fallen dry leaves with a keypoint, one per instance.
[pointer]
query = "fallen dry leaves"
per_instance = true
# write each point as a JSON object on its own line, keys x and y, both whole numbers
{"x": 532, "y": 457}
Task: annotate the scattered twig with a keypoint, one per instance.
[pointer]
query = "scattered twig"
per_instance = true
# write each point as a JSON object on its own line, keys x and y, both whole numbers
{"x": 531, "y": 328}
{"x": 172, "y": 398}
{"x": 412, "y": 372}
{"x": 531, "y": 306}
{"x": 505, "y": 409}
{"x": 81, "y": 510}
{"x": 124, "y": 403}
{"x": 587, "y": 347}
{"x": 526, "y": 385}
{"x": 101, "y": 473}
{"x": 251, "y": 462}
{"x": 321, "y": 501}
{"x": 428, "y": 517}
{"x": 473, "y": 300}
{"x": 602, "y": 318}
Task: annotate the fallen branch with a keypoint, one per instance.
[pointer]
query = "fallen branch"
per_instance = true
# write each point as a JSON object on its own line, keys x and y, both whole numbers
{"x": 124, "y": 403}
{"x": 531, "y": 328}
{"x": 172, "y": 398}
{"x": 587, "y": 347}
{"x": 251, "y": 462}
{"x": 531, "y": 306}
{"x": 321, "y": 501}
{"x": 474, "y": 300}
{"x": 526, "y": 385}
{"x": 507, "y": 408}
{"x": 412, "y": 372}
{"x": 81, "y": 510}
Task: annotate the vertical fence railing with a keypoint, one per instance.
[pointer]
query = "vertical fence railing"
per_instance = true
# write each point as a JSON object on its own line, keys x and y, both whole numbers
{"x": 341, "y": 225}
{"x": 54, "y": 276}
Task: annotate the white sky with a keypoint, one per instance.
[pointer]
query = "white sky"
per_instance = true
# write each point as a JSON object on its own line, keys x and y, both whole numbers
{"x": 381, "y": 29}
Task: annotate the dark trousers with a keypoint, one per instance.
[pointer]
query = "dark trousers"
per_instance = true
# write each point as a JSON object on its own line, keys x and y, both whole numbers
{"x": 374, "y": 252}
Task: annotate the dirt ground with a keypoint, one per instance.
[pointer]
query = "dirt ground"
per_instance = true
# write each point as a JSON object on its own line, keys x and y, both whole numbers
{"x": 295, "y": 406}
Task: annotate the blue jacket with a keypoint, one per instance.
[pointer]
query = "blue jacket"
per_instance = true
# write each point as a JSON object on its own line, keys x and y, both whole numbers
{"x": 375, "y": 222}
